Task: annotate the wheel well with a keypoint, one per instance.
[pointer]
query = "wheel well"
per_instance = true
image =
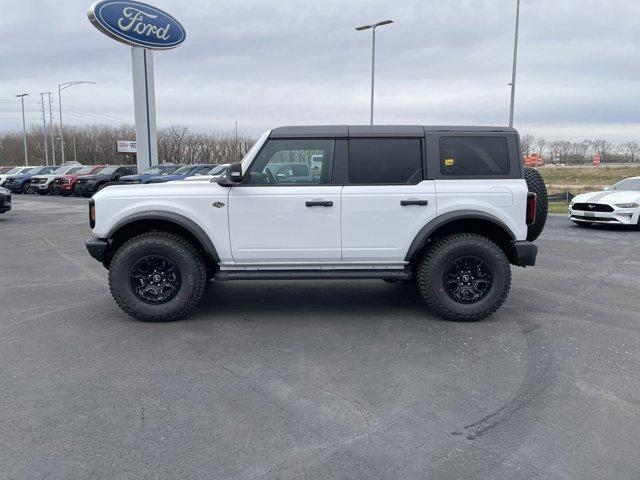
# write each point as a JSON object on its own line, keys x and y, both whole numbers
{"x": 486, "y": 228}
{"x": 133, "y": 229}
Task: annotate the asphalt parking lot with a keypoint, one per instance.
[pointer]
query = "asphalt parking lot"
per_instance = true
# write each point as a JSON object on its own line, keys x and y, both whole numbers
{"x": 316, "y": 380}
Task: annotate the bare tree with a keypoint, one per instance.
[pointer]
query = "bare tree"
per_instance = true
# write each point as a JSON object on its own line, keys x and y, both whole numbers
{"x": 631, "y": 151}
{"x": 601, "y": 147}
{"x": 540, "y": 145}
{"x": 526, "y": 144}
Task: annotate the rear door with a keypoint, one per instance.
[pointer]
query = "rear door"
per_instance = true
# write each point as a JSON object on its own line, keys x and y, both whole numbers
{"x": 279, "y": 219}
{"x": 480, "y": 172}
{"x": 386, "y": 200}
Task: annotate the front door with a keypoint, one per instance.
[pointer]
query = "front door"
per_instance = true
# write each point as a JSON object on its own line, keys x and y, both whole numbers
{"x": 287, "y": 211}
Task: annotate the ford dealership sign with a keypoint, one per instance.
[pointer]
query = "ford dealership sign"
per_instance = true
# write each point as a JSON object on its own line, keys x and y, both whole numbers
{"x": 137, "y": 24}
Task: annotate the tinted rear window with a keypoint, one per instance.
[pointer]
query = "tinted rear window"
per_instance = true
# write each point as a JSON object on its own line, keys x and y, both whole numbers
{"x": 385, "y": 160}
{"x": 474, "y": 156}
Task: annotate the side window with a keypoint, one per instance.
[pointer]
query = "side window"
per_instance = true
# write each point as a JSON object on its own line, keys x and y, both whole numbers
{"x": 385, "y": 160}
{"x": 474, "y": 156}
{"x": 293, "y": 162}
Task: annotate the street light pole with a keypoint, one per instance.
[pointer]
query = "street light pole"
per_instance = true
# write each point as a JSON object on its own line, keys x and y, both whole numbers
{"x": 513, "y": 71}
{"x": 44, "y": 131}
{"x": 373, "y": 56}
{"x": 24, "y": 128}
{"x": 61, "y": 87}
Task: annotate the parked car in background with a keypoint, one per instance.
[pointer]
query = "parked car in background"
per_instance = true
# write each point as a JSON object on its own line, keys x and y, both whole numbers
{"x": 21, "y": 182}
{"x": 4, "y": 170}
{"x": 212, "y": 175}
{"x": 13, "y": 171}
{"x": 5, "y": 200}
{"x": 183, "y": 172}
{"x": 43, "y": 184}
{"x": 66, "y": 184}
{"x": 149, "y": 173}
{"x": 618, "y": 204}
{"x": 87, "y": 185}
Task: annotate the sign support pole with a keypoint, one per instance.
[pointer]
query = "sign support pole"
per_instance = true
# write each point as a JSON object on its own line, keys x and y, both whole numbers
{"x": 145, "y": 108}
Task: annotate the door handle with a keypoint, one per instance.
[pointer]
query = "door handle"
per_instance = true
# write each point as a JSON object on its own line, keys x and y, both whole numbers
{"x": 319, "y": 203}
{"x": 406, "y": 203}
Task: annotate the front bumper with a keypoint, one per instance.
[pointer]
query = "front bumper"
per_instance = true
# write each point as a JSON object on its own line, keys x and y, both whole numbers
{"x": 620, "y": 216}
{"x": 84, "y": 189}
{"x": 5, "y": 203}
{"x": 97, "y": 247}
{"x": 525, "y": 254}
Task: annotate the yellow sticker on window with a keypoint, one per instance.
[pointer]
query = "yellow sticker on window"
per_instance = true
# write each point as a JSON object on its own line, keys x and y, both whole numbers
{"x": 449, "y": 161}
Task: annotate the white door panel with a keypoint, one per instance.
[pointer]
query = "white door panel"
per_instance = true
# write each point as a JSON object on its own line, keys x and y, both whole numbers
{"x": 273, "y": 224}
{"x": 376, "y": 227}
{"x": 505, "y": 199}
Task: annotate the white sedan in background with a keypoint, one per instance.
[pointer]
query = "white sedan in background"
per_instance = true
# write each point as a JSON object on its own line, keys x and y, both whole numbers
{"x": 618, "y": 204}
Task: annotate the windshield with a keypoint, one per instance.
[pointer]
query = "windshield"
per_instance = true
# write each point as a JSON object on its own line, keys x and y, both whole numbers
{"x": 218, "y": 170}
{"x": 85, "y": 170}
{"x": 182, "y": 170}
{"x": 628, "y": 184}
{"x": 4, "y": 170}
{"x": 109, "y": 170}
{"x": 42, "y": 170}
{"x": 153, "y": 171}
{"x": 61, "y": 170}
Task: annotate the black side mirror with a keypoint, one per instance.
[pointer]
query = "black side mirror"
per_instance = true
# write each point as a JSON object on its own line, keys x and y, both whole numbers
{"x": 233, "y": 176}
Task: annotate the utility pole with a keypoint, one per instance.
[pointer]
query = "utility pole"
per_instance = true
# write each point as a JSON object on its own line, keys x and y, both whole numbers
{"x": 44, "y": 131}
{"x": 373, "y": 54}
{"x": 75, "y": 156}
{"x": 24, "y": 128}
{"x": 53, "y": 143}
{"x": 513, "y": 72}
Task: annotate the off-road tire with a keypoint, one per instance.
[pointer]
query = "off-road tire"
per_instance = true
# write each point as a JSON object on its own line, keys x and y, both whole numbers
{"x": 185, "y": 257}
{"x": 535, "y": 184}
{"x": 431, "y": 271}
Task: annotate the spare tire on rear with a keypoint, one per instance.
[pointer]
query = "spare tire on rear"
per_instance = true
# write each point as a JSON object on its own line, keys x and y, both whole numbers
{"x": 536, "y": 184}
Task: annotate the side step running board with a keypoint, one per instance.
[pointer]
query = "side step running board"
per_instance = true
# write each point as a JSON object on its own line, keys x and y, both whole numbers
{"x": 225, "y": 275}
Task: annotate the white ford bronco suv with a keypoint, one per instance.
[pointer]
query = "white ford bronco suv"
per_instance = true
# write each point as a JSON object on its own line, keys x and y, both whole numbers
{"x": 450, "y": 208}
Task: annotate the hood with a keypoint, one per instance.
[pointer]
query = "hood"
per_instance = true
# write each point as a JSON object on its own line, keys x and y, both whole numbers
{"x": 166, "y": 178}
{"x": 48, "y": 176}
{"x": 610, "y": 197}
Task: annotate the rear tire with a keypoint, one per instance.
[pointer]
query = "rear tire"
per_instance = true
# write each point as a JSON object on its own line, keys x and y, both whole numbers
{"x": 183, "y": 281}
{"x": 535, "y": 184}
{"x": 450, "y": 291}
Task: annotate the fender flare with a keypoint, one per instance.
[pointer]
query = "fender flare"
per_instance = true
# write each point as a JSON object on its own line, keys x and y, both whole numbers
{"x": 180, "y": 220}
{"x": 425, "y": 232}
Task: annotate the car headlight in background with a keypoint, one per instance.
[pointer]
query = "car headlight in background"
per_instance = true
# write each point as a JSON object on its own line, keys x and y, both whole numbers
{"x": 627, "y": 205}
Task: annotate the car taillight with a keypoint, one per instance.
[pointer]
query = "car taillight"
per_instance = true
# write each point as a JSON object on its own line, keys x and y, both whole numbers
{"x": 92, "y": 213}
{"x": 532, "y": 202}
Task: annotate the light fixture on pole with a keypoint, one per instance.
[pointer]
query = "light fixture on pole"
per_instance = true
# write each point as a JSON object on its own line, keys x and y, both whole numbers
{"x": 373, "y": 54}
{"x": 63, "y": 86}
{"x": 24, "y": 128}
{"x": 513, "y": 71}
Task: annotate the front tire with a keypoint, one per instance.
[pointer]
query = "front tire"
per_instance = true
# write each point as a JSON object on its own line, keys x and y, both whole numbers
{"x": 464, "y": 277}
{"x": 157, "y": 277}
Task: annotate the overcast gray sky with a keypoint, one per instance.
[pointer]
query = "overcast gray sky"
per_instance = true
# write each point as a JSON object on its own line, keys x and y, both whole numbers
{"x": 269, "y": 63}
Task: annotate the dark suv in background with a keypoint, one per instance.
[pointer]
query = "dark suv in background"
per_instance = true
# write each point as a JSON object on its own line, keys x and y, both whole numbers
{"x": 87, "y": 185}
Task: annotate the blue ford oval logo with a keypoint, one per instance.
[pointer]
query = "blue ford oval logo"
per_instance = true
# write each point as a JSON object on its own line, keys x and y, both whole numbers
{"x": 137, "y": 24}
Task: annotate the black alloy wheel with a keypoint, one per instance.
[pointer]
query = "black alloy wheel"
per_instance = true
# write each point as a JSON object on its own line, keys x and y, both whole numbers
{"x": 155, "y": 279}
{"x": 467, "y": 279}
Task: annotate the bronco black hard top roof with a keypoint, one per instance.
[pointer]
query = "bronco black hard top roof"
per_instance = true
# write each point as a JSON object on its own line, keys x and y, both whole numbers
{"x": 345, "y": 131}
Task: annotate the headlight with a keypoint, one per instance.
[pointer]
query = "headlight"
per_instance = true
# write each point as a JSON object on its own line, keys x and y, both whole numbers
{"x": 4, "y": 191}
{"x": 627, "y": 205}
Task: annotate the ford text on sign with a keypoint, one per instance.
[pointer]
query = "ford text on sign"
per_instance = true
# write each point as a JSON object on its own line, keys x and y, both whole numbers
{"x": 137, "y": 24}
